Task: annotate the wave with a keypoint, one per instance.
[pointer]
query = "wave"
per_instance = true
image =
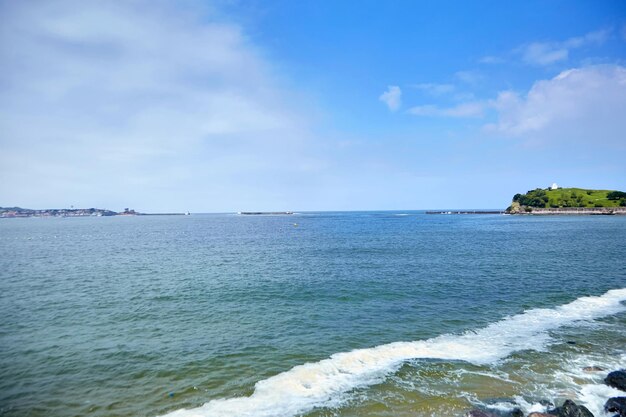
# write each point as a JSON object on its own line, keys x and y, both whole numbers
{"x": 323, "y": 383}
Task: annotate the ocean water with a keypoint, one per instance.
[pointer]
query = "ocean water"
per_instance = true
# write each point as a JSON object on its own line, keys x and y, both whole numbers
{"x": 314, "y": 314}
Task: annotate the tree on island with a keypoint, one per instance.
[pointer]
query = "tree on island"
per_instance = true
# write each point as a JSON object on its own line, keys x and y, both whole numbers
{"x": 533, "y": 198}
{"x": 616, "y": 195}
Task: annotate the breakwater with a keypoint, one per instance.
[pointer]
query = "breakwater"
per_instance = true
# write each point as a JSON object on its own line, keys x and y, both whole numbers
{"x": 576, "y": 210}
{"x": 465, "y": 212}
{"x": 264, "y": 213}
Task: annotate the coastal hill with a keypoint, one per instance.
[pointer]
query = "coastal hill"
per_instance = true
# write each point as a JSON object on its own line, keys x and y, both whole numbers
{"x": 558, "y": 199}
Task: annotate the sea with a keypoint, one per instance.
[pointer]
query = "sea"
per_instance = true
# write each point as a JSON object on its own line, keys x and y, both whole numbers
{"x": 394, "y": 313}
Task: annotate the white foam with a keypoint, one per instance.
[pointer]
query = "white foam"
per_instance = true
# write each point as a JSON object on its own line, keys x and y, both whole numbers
{"x": 593, "y": 393}
{"x": 323, "y": 383}
{"x": 593, "y": 396}
{"x": 528, "y": 408}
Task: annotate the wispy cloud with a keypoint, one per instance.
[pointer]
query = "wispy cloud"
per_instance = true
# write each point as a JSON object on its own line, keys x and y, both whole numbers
{"x": 544, "y": 53}
{"x": 115, "y": 102}
{"x": 435, "y": 89}
{"x": 597, "y": 37}
{"x": 490, "y": 59}
{"x": 469, "y": 77}
{"x": 547, "y": 53}
{"x": 470, "y": 109}
{"x": 392, "y": 97}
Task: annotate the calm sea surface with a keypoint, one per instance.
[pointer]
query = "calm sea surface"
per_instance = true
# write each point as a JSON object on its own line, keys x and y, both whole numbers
{"x": 227, "y": 315}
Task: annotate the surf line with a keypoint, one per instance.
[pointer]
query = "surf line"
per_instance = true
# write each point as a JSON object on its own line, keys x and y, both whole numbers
{"x": 318, "y": 384}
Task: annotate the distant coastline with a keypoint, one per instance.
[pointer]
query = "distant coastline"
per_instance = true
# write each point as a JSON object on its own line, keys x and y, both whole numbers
{"x": 553, "y": 200}
{"x": 19, "y": 212}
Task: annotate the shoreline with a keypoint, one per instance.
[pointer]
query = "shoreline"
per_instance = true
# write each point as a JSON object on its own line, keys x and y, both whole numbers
{"x": 587, "y": 211}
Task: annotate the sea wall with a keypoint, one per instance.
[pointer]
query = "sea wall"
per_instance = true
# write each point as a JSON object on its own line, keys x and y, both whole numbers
{"x": 578, "y": 210}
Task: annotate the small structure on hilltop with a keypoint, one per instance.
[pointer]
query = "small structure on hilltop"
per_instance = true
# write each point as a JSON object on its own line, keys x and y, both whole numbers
{"x": 554, "y": 186}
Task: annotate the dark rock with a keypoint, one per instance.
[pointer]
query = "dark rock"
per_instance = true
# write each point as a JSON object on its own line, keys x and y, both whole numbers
{"x": 593, "y": 369}
{"x": 616, "y": 405}
{"x": 479, "y": 413}
{"x": 616, "y": 379}
{"x": 570, "y": 409}
{"x": 517, "y": 413}
{"x": 535, "y": 414}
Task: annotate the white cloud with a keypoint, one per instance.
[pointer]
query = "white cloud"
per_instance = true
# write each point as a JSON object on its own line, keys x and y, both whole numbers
{"x": 153, "y": 102}
{"x": 547, "y": 53}
{"x": 579, "y": 105}
{"x": 470, "y": 109}
{"x": 392, "y": 97}
{"x": 583, "y": 105}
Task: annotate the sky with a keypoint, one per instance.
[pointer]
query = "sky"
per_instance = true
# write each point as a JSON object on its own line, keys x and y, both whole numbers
{"x": 225, "y": 106}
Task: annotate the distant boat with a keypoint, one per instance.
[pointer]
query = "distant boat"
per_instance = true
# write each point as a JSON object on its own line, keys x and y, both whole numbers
{"x": 187, "y": 213}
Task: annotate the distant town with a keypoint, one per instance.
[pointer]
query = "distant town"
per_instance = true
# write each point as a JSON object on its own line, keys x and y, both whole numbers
{"x": 71, "y": 212}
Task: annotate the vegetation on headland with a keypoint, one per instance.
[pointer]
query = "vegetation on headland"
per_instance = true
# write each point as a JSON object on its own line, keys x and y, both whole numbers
{"x": 549, "y": 198}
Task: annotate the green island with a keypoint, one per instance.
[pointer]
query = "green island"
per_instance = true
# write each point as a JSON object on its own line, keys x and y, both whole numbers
{"x": 557, "y": 200}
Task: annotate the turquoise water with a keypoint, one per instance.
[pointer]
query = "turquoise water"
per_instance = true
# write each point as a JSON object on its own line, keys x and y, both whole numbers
{"x": 143, "y": 316}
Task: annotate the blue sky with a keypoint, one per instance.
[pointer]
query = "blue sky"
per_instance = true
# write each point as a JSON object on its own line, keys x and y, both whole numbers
{"x": 308, "y": 105}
